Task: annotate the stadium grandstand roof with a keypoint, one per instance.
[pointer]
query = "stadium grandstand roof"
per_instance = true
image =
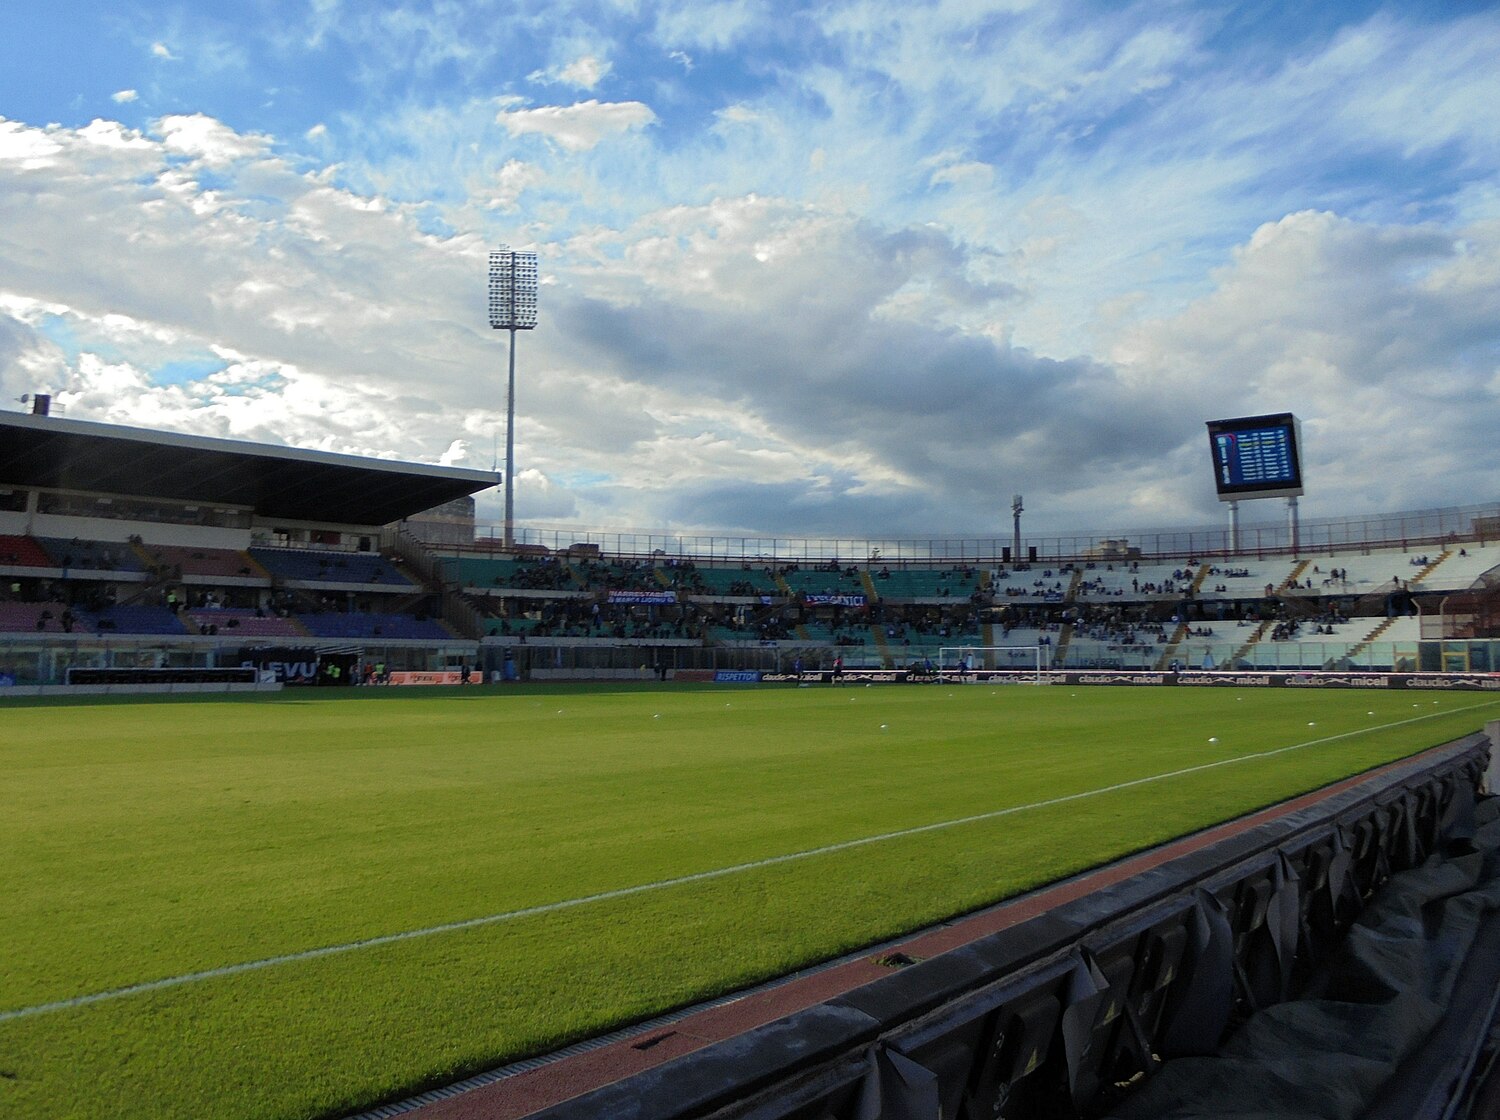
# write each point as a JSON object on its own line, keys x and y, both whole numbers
{"x": 49, "y": 452}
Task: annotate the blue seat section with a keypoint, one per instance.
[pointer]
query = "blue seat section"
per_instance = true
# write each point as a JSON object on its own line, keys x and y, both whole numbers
{"x": 359, "y": 624}
{"x": 316, "y": 566}
{"x": 138, "y": 619}
{"x": 80, "y": 555}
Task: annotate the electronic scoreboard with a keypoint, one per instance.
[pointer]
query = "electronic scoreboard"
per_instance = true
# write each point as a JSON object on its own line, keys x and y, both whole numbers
{"x": 1256, "y": 457}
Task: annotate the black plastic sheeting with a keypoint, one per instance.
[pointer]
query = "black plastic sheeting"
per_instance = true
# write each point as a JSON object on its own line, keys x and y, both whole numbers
{"x": 1332, "y": 1053}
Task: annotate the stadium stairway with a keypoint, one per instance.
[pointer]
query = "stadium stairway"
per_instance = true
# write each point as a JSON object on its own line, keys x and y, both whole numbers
{"x": 1291, "y": 580}
{"x": 782, "y": 586}
{"x": 871, "y": 595}
{"x": 1265, "y": 627}
{"x": 1071, "y": 594}
{"x": 154, "y": 589}
{"x": 1171, "y": 647}
{"x": 1373, "y": 635}
{"x": 1065, "y": 635}
{"x": 462, "y": 616}
{"x": 1199, "y": 579}
{"x": 1244, "y": 650}
{"x": 887, "y": 659}
{"x": 1430, "y": 568}
{"x": 1060, "y": 653}
{"x": 1181, "y": 630}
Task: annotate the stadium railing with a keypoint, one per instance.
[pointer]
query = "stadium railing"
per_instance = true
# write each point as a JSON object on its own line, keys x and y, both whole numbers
{"x": 1427, "y": 528}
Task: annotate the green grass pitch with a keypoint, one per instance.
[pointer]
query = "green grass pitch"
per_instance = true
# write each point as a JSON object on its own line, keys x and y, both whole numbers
{"x": 158, "y": 841}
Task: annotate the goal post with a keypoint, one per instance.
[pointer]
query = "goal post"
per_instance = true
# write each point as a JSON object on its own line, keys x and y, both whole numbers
{"x": 965, "y": 662}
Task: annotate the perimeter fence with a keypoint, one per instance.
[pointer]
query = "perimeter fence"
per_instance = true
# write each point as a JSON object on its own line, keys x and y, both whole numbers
{"x": 1412, "y": 529}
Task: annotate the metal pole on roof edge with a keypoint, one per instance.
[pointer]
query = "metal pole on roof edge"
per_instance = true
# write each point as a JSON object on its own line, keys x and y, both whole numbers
{"x": 513, "y": 298}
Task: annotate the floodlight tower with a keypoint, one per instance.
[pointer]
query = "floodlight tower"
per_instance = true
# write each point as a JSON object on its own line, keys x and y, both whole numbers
{"x": 513, "y": 284}
{"x": 1015, "y": 541}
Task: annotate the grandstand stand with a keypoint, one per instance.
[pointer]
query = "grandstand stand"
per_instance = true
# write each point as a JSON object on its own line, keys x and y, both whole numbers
{"x": 359, "y": 624}
{"x": 244, "y": 622}
{"x": 137, "y": 619}
{"x": 343, "y": 568}
{"x": 24, "y": 618}
{"x": 23, "y": 552}
{"x": 100, "y": 556}
{"x": 180, "y": 562}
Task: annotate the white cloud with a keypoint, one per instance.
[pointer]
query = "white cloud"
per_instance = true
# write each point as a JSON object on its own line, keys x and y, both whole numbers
{"x": 739, "y": 114}
{"x": 584, "y": 72}
{"x": 710, "y": 24}
{"x": 873, "y": 267}
{"x": 124, "y": 96}
{"x": 1382, "y": 336}
{"x": 577, "y": 127}
{"x": 30, "y": 149}
{"x": 203, "y": 138}
{"x": 513, "y": 180}
{"x": 968, "y": 176}
{"x": 161, "y": 50}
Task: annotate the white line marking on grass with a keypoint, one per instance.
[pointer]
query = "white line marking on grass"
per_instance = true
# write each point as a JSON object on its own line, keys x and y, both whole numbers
{"x": 662, "y": 884}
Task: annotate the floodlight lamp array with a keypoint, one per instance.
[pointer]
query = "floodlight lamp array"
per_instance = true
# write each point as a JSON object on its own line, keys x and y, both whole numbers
{"x": 513, "y": 290}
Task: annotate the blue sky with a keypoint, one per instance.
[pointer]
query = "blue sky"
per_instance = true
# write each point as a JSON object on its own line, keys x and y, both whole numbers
{"x": 855, "y": 269}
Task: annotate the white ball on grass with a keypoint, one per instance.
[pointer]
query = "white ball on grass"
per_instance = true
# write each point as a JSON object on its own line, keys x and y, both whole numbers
{"x": 885, "y": 727}
{"x": 1213, "y": 738}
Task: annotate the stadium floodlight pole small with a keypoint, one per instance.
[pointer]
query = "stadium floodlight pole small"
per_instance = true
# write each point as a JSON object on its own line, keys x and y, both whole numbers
{"x": 1015, "y": 543}
{"x": 513, "y": 291}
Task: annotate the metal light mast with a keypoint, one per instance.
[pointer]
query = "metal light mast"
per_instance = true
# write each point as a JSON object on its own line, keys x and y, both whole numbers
{"x": 513, "y": 285}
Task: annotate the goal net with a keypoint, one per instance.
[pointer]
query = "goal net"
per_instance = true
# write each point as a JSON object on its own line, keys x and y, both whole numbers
{"x": 969, "y": 663}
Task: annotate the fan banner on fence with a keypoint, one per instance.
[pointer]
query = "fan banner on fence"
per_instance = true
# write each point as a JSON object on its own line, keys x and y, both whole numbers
{"x": 834, "y": 600}
{"x": 651, "y": 597}
{"x": 447, "y": 676}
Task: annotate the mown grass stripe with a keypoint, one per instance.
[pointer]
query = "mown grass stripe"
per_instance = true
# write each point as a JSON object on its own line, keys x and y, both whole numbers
{"x": 662, "y": 884}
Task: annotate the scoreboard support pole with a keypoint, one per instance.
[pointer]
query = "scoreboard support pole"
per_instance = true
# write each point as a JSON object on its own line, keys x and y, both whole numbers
{"x": 1293, "y": 526}
{"x": 1234, "y": 528}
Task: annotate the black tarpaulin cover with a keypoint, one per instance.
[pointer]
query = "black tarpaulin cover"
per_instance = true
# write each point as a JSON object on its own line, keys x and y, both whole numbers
{"x": 1337, "y": 1051}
